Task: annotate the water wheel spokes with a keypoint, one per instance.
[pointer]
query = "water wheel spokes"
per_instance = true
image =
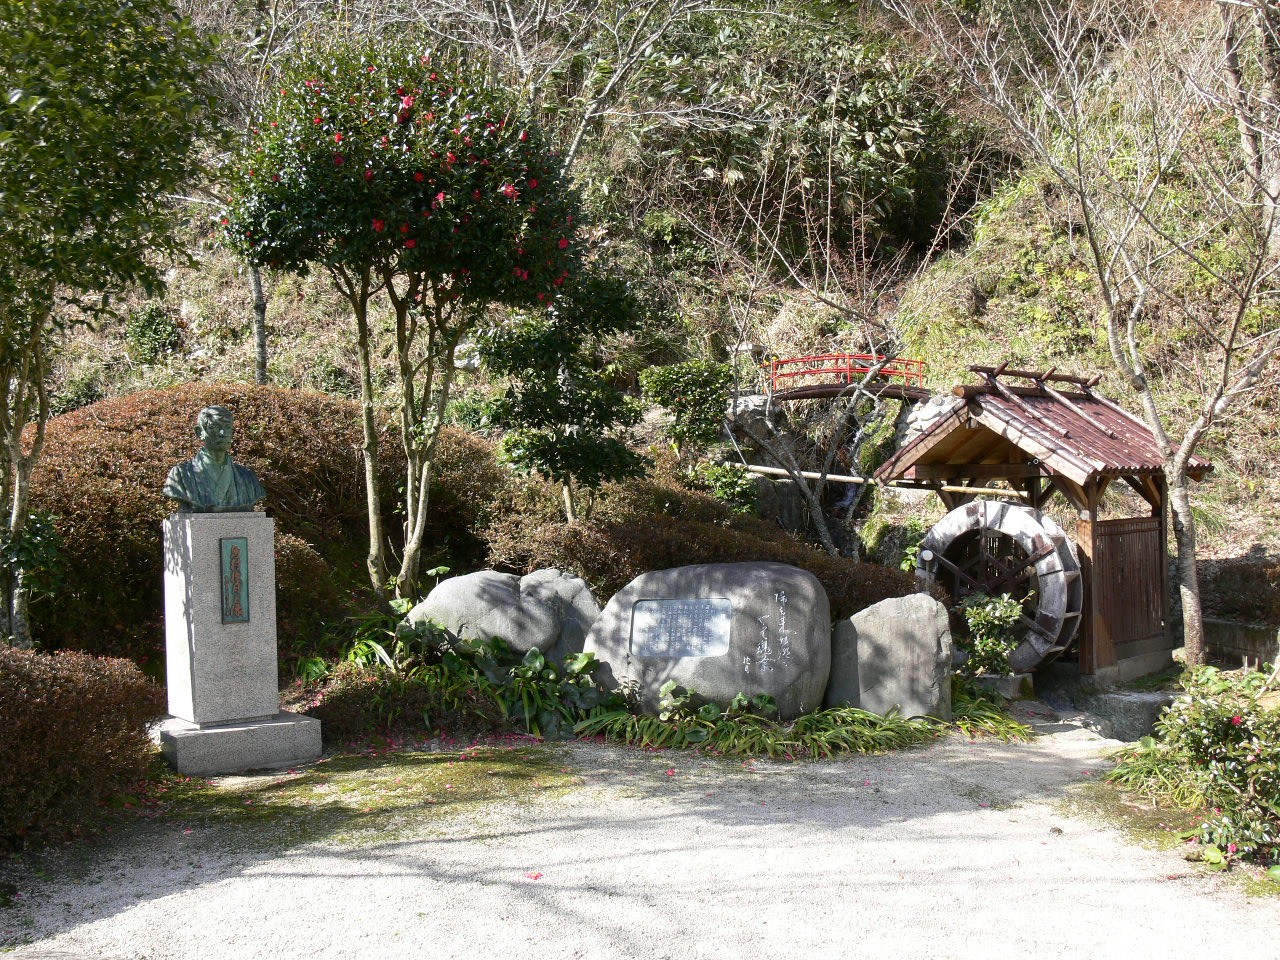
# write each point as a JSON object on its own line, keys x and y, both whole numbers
{"x": 1004, "y": 549}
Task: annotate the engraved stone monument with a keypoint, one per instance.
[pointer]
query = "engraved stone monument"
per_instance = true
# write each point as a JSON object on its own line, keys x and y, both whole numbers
{"x": 719, "y": 629}
{"x": 220, "y": 619}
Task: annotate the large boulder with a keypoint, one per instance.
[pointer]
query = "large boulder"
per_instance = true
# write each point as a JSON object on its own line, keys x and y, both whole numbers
{"x": 578, "y": 608}
{"x": 895, "y": 654}
{"x": 547, "y": 610}
{"x": 718, "y": 630}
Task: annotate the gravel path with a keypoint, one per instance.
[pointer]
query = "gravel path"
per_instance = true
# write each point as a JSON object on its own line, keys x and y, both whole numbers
{"x": 961, "y": 850}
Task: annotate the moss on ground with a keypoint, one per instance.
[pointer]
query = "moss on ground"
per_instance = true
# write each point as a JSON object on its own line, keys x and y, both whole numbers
{"x": 1158, "y": 828}
{"x": 346, "y": 798}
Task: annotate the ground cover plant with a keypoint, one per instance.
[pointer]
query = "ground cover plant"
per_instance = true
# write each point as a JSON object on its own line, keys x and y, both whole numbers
{"x": 392, "y": 676}
{"x": 1217, "y": 751}
{"x": 75, "y": 736}
{"x": 749, "y": 726}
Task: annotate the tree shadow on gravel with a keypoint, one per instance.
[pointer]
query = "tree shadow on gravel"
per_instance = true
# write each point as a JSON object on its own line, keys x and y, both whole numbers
{"x": 588, "y": 814}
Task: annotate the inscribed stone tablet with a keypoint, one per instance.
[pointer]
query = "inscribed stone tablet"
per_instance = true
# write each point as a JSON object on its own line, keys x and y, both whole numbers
{"x": 680, "y": 628}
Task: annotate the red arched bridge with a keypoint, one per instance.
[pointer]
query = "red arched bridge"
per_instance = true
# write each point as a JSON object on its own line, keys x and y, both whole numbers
{"x": 832, "y": 374}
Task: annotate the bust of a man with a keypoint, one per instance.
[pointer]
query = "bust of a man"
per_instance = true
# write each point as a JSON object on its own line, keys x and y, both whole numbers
{"x": 209, "y": 482}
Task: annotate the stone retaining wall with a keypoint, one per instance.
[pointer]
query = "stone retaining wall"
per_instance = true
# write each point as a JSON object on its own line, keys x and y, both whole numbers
{"x": 1236, "y": 643}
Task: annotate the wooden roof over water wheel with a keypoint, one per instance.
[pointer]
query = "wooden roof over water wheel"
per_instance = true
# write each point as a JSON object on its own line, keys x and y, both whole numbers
{"x": 1046, "y": 425}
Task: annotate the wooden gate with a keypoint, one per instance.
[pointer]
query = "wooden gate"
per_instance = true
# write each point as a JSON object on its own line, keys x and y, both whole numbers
{"x": 1127, "y": 607}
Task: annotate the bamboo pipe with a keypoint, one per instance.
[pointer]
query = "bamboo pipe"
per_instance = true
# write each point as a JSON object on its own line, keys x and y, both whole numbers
{"x": 842, "y": 478}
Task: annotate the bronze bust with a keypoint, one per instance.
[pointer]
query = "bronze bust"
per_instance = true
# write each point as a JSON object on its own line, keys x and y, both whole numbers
{"x": 210, "y": 482}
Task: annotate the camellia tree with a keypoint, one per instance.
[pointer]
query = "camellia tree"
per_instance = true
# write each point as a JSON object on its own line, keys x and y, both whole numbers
{"x": 401, "y": 176}
{"x": 100, "y": 108}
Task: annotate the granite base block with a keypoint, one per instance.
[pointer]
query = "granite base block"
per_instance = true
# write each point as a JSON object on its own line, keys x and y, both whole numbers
{"x": 211, "y": 750}
{"x": 1014, "y": 686}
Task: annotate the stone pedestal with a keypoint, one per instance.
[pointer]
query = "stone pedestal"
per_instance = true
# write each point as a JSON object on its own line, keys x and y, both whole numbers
{"x": 220, "y": 645}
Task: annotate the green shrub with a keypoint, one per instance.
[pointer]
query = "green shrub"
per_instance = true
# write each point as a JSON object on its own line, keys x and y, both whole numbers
{"x": 101, "y": 475}
{"x": 307, "y": 598}
{"x": 1217, "y": 749}
{"x": 730, "y": 484}
{"x": 994, "y": 633}
{"x": 74, "y": 736}
{"x": 395, "y": 677}
{"x": 696, "y": 393}
{"x": 355, "y": 700}
{"x": 151, "y": 333}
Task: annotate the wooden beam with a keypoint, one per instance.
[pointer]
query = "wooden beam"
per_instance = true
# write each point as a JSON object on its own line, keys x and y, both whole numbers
{"x": 985, "y": 491}
{"x": 1041, "y": 446}
{"x": 1051, "y": 374}
{"x": 939, "y": 430}
{"x": 978, "y": 471}
{"x": 1148, "y": 490}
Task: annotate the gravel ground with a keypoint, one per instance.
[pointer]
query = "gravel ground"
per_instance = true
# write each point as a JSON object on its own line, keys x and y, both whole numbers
{"x": 961, "y": 850}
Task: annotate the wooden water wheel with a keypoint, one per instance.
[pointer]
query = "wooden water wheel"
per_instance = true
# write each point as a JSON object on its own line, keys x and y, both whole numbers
{"x": 1006, "y": 549}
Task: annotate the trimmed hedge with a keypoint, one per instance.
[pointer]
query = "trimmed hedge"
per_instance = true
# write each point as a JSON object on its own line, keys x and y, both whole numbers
{"x": 655, "y": 524}
{"x": 101, "y": 476}
{"x": 74, "y": 736}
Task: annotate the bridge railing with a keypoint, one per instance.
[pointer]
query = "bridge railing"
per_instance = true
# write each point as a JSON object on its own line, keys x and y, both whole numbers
{"x": 843, "y": 368}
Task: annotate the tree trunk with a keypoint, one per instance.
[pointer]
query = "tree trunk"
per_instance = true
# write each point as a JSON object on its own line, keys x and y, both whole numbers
{"x": 16, "y": 598}
{"x": 1184, "y": 532}
{"x": 377, "y": 559}
{"x": 570, "y": 504}
{"x": 259, "y": 324}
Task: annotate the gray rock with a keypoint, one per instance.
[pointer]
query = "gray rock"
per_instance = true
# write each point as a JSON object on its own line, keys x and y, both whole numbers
{"x": 842, "y": 685}
{"x": 779, "y": 500}
{"x": 719, "y": 630}
{"x": 1014, "y": 686}
{"x": 547, "y": 610}
{"x": 579, "y": 609}
{"x": 895, "y": 654}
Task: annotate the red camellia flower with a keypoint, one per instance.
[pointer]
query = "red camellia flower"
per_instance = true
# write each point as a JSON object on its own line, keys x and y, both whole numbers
{"x": 450, "y": 157}
{"x": 1237, "y": 720}
{"x": 509, "y": 191}
{"x": 339, "y": 159}
{"x": 419, "y": 177}
{"x": 337, "y": 138}
{"x": 410, "y": 243}
{"x": 406, "y": 102}
{"x": 368, "y": 175}
{"x": 404, "y": 228}
{"x": 318, "y": 120}
{"x": 533, "y": 184}
{"x": 524, "y": 136}
{"x": 379, "y": 226}
{"x": 564, "y": 243}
